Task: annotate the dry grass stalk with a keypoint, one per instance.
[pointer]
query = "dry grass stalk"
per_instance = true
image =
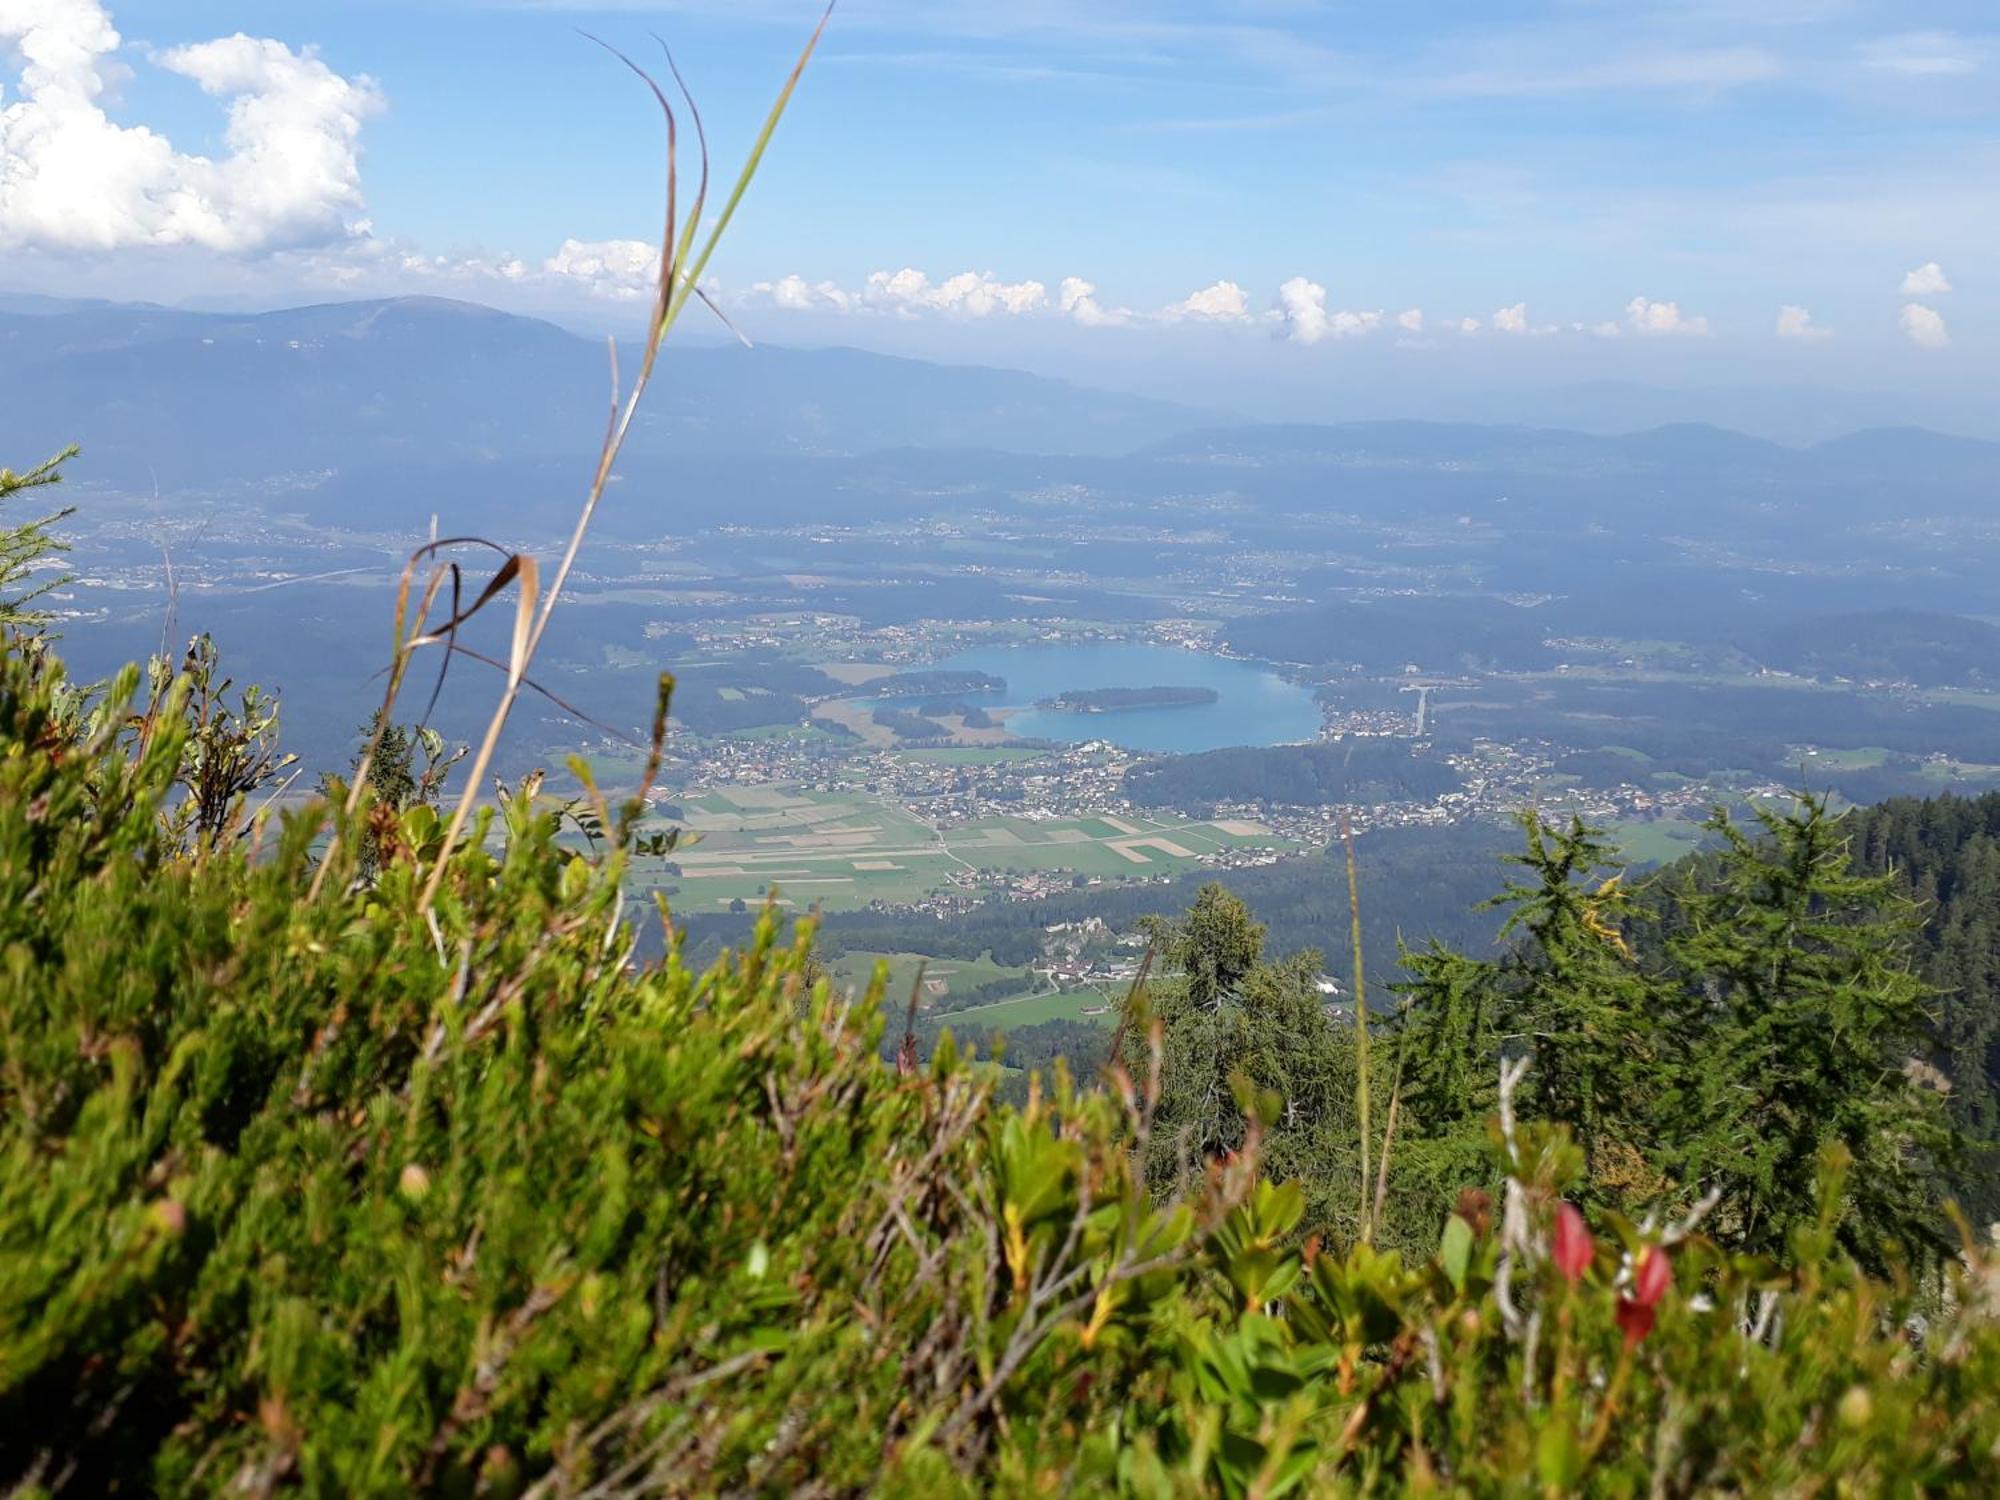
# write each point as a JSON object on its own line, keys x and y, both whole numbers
{"x": 685, "y": 252}
{"x": 1362, "y": 1082}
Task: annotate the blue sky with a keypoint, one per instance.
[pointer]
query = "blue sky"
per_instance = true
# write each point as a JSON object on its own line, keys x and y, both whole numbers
{"x": 1605, "y": 189}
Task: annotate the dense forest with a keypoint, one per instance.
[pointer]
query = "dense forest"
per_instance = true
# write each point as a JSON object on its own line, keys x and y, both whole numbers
{"x": 1438, "y": 634}
{"x": 1352, "y": 770}
{"x": 1103, "y": 700}
{"x": 720, "y": 700}
{"x": 931, "y": 682}
{"x": 1945, "y": 851}
{"x": 1891, "y": 645}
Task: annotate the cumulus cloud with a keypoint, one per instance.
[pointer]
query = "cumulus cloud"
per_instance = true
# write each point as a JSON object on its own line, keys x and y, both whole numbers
{"x": 972, "y": 294}
{"x": 1515, "y": 320}
{"x": 1650, "y": 317}
{"x": 1928, "y": 280}
{"x": 1797, "y": 323}
{"x": 621, "y": 269}
{"x": 1224, "y": 302}
{"x": 797, "y": 294}
{"x": 1077, "y": 299}
{"x": 910, "y": 293}
{"x": 1468, "y": 326}
{"x": 71, "y": 178}
{"x": 1303, "y": 310}
{"x": 472, "y": 268}
{"x": 1411, "y": 320}
{"x": 1924, "y": 327}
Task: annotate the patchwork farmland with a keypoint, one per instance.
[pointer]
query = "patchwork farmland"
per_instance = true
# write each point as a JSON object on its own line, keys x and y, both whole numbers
{"x": 846, "y": 850}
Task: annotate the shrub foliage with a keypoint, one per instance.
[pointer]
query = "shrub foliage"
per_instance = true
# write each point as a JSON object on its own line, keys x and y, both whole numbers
{"x": 303, "y": 1187}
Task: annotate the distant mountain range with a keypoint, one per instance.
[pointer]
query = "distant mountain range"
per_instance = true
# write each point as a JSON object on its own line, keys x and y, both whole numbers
{"x": 381, "y": 413}
{"x": 191, "y": 399}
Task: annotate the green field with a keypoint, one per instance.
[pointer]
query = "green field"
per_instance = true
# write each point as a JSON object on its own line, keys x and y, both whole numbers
{"x": 1949, "y": 775}
{"x": 1658, "y": 842}
{"x": 1110, "y": 848}
{"x": 1865, "y": 758}
{"x": 792, "y": 732}
{"x": 1963, "y": 697}
{"x": 841, "y": 850}
{"x": 1008, "y": 1015}
{"x": 941, "y": 977}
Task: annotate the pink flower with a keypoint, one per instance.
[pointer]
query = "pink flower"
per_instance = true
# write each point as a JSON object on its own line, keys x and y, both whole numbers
{"x": 1651, "y": 1277}
{"x": 1574, "y": 1248}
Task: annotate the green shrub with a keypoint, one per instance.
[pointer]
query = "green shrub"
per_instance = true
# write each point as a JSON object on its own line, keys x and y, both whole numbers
{"x": 312, "y": 1192}
{"x": 320, "y": 1192}
{"x": 26, "y": 544}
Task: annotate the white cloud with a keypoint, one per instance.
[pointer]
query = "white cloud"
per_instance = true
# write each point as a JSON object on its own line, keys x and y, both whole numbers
{"x": 622, "y": 269}
{"x": 1525, "y": 74}
{"x": 1224, "y": 302}
{"x": 973, "y": 294}
{"x": 71, "y": 178}
{"x": 1928, "y": 280}
{"x": 797, "y": 294}
{"x": 1662, "y": 318}
{"x": 1515, "y": 320}
{"x": 458, "y": 268}
{"x": 1922, "y": 54}
{"x": 1924, "y": 327}
{"x": 1303, "y": 310}
{"x": 1411, "y": 320}
{"x": 1608, "y": 330}
{"x": 1077, "y": 299}
{"x": 1468, "y": 326}
{"x": 1797, "y": 323}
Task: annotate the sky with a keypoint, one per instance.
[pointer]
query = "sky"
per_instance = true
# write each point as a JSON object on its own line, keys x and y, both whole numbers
{"x": 1254, "y": 193}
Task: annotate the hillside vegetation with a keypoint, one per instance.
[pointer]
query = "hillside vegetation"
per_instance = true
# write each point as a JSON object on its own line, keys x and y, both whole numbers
{"x": 350, "y": 1147}
{"x": 307, "y": 1188}
{"x": 377, "y": 1166}
{"x": 1348, "y": 770}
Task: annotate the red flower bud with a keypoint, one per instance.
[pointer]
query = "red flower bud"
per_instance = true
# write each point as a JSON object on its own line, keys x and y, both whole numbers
{"x": 1635, "y": 1318}
{"x": 1574, "y": 1248}
{"x": 1651, "y": 1277}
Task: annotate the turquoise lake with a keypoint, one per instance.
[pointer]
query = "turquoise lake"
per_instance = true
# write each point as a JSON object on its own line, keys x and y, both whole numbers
{"x": 1254, "y": 705}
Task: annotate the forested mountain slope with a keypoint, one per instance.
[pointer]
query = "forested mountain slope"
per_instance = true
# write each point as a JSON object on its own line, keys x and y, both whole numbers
{"x": 1946, "y": 850}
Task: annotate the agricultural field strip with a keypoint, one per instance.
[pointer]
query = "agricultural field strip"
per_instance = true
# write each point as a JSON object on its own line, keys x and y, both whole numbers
{"x": 848, "y": 844}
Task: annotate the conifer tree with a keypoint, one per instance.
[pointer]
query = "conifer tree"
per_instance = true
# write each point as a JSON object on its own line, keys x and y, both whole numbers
{"x": 25, "y": 544}
{"x": 1801, "y": 1023}
{"x": 1447, "y": 1051}
{"x": 1574, "y": 996}
{"x": 1945, "y": 853}
{"x": 1239, "y": 1029}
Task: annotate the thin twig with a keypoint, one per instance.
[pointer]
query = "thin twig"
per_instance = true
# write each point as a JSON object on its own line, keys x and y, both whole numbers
{"x": 1363, "y": 1082}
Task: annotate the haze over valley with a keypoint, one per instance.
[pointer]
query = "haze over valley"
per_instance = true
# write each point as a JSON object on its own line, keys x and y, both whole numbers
{"x": 903, "y": 601}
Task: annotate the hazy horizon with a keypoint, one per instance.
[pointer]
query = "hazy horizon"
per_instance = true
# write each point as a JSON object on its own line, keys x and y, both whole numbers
{"x": 1299, "y": 202}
